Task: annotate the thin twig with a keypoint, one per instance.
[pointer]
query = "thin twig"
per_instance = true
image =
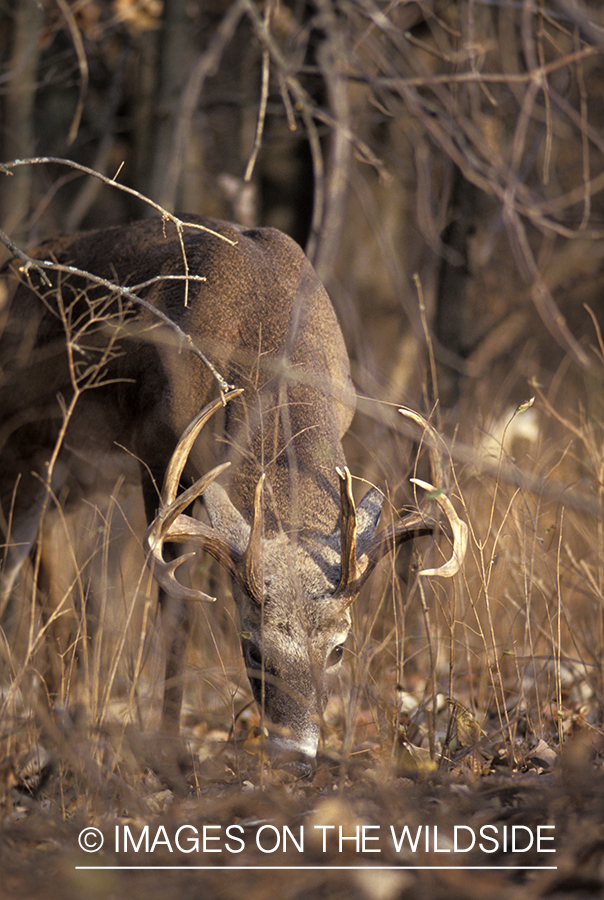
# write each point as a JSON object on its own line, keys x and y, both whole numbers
{"x": 263, "y": 104}
{"x": 28, "y": 262}
{"x": 78, "y": 44}
{"x": 128, "y": 294}
{"x": 39, "y": 265}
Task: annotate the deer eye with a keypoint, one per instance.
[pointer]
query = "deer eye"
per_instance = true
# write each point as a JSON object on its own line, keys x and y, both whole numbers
{"x": 336, "y": 655}
{"x": 253, "y": 653}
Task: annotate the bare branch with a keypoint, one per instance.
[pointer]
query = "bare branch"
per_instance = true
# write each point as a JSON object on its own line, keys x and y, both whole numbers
{"x": 29, "y": 264}
{"x": 128, "y": 294}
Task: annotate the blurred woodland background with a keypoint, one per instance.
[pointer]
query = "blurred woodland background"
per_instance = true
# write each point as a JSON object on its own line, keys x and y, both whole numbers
{"x": 442, "y": 162}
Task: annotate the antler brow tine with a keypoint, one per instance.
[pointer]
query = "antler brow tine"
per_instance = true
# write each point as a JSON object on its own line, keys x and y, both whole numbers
{"x": 348, "y": 531}
{"x": 252, "y": 555}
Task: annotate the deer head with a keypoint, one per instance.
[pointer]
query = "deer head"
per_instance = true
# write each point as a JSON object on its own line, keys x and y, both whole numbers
{"x": 293, "y": 597}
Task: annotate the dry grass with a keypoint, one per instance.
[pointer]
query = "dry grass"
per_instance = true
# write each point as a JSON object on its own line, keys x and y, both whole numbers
{"x": 465, "y": 702}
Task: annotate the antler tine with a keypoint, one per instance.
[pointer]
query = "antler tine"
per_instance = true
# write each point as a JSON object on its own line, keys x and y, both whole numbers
{"x": 168, "y": 514}
{"x": 170, "y": 525}
{"x": 348, "y": 533}
{"x": 252, "y": 557}
{"x": 458, "y": 527}
{"x": 418, "y": 524}
{"x": 185, "y": 445}
{"x": 415, "y": 524}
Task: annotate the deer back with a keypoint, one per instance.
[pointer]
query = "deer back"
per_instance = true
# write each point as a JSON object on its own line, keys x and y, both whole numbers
{"x": 261, "y": 315}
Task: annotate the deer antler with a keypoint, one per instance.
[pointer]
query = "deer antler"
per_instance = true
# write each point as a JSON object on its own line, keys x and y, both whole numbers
{"x": 252, "y": 557}
{"x": 355, "y": 571}
{"x": 458, "y": 528}
{"x": 348, "y": 532}
{"x": 170, "y": 525}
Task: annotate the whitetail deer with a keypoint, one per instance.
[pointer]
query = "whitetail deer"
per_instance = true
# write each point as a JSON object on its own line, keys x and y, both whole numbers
{"x": 87, "y": 370}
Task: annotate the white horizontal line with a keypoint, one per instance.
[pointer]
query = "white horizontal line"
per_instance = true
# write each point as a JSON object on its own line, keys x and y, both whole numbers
{"x": 324, "y": 868}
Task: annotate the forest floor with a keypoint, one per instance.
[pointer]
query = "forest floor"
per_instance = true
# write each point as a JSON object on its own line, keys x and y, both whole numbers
{"x": 132, "y": 815}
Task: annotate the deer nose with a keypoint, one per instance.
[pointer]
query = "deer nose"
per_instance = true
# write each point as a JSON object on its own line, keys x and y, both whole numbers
{"x": 304, "y": 746}
{"x": 297, "y": 756}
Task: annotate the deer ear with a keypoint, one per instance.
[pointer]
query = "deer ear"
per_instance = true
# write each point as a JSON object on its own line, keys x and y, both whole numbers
{"x": 225, "y": 518}
{"x": 368, "y": 516}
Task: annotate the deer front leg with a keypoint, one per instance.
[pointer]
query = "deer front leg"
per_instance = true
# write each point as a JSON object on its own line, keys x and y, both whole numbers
{"x": 176, "y": 621}
{"x": 56, "y": 585}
